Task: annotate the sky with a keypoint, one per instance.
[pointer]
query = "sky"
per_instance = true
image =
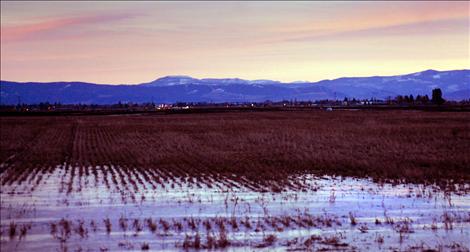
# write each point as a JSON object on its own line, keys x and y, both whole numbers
{"x": 126, "y": 42}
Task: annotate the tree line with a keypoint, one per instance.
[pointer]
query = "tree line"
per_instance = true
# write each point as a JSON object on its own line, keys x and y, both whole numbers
{"x": 422, "y": 99}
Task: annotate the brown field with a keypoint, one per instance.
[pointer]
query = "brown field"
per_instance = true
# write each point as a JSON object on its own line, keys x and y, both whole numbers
{"x": 260, "y": 150}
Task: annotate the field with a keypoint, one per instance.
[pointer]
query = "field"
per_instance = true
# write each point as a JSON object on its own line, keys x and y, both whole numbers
{"x": 287, "y": 180}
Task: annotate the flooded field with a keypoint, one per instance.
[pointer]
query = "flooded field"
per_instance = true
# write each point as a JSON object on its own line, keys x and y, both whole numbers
{"x": 329, "y": 213}
{"x": 296, "y": 181}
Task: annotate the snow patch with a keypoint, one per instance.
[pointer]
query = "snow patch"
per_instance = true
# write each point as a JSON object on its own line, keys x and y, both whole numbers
{"x": 453, "y": 88}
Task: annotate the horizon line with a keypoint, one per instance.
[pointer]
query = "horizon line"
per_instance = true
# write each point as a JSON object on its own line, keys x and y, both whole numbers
{"x": 188, "y": 76}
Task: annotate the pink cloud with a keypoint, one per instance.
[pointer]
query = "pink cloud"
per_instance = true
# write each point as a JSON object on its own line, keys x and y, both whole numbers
{"x": 444, "y": 26}
{"x": 54, "y": 26}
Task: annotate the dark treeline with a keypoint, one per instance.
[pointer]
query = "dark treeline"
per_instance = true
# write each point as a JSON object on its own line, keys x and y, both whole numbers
{"x": 400, "y": 101}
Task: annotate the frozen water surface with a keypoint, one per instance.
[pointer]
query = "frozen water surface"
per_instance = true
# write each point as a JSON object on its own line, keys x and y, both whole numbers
{"x": 68, "y": 211}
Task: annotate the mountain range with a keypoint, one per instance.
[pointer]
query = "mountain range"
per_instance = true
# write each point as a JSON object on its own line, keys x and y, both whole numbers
{"x": 454, "y": 84}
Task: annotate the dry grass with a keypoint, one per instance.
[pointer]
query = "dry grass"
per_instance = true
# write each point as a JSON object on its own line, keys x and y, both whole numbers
{"x": 256, "y": 149}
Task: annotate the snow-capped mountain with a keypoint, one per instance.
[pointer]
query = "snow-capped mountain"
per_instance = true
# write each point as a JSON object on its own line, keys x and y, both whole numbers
{"x": 455, "y": 85}
{"x": 181, "y": 80}
{"x": 415, "y": 83}
{"x": 171, "y": 81}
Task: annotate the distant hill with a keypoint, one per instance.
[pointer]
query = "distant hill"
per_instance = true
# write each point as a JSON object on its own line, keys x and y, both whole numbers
{"x": 454, "y": 84}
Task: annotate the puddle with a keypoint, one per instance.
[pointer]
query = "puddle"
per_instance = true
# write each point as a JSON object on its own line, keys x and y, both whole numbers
{"x": 331, "y": 213}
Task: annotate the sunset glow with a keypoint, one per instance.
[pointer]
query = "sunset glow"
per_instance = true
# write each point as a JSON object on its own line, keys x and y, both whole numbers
{"x": 134, "y": 42}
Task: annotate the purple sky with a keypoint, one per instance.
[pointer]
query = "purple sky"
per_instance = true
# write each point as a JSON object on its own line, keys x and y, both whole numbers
{"x": 133, "y": 42}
